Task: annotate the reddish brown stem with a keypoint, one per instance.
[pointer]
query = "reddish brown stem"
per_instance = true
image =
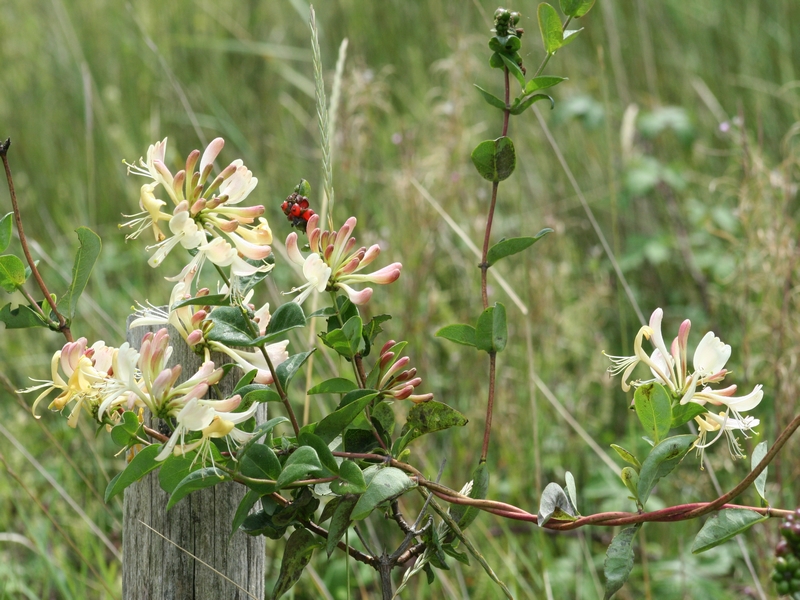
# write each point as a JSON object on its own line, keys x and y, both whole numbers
{"x": 62, "y": 322}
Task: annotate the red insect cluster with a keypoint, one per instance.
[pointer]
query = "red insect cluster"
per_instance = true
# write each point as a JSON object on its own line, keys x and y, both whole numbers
{"x": 295, "y": 207}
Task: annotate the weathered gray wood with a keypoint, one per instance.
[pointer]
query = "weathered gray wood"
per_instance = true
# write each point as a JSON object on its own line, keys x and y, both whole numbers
{"x": 155, "y": 569}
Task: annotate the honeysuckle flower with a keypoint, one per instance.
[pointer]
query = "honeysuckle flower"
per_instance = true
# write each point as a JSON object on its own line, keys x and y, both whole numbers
{"x": 248, "y": 360}
{"x": 722, "y": 423}
{"x": 334, "y": 263}
{"x": 85, "y": 369}
{"x": 213, "y": 418}
{"x": 670, "y": 369}
{"x": 206, "y": 217}
{"x": 394, "y": 380}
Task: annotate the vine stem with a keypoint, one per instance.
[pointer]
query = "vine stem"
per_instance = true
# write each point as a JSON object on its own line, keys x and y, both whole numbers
{"x": 62, "y": 322}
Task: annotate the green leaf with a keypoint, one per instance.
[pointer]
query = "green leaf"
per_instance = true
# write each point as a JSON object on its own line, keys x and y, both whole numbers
{"x": 85, "y": 259}
{"x": 196, "y": 480}
{"x": 464, "y": 515}
{"x": 759, "y": 452}
{"x": 554, "y": 503}
{"x": 662, "y": 459}
{"x": 427, "y": 417}
{"x": 302, "y": 463}
{"x": 337, "y": 385}
{"x": 230, "y": 327}
{"x": 21, "y": 317}
{"x": 340, "y": 522}
{"x": 520, "y": 107}
{"x": 383, "y": 415}
{"x": 619, "y": 560}
{"x": 491, "y": 98}
{"x": 570, "y": 35}
{"x": 630, "y": 478}
{"x": 458, "y": 333}
{"x": 12, "y": 273}
{"x": 683, "y": 413}
{"x": 514, "y": 69}
{"x": 351, "y": 479}
{"x": 496, "y": 159}
{"x": 628, "y": 457}
{"x": 125, "y": 433}
{"x": 576, "y": 8}
{"x": 141, "y": 465}
{"x": 210, "y": 300}
{"x": 260, "y": 462}
{"x": 323, "y": 452}
{"x": 550, "y": 28}
{"x": 333, "y": 424}
{"x": 297, "y": 554}
{"x": 572, "y": 492}
{"x": 542, "y": 83}
{"x": 261, "y": 430}
{"x": 654, "y": 409}
{"x": 174, "y": 470}
{"x": 726, "y": 524}
{"x": 6, "y": 231}
{"x": 491, "y": 332}
{"x": 512, "y": 246}
{"x": 259, "y": 395}
{"x": 244, "y": 508}
{"x": 288, "y": 368}
{"x": 387, "y": 483}
{"x": 287, "y": 317}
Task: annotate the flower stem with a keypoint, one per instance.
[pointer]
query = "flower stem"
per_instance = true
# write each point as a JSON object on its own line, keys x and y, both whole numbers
{"x": 63, "y": 327}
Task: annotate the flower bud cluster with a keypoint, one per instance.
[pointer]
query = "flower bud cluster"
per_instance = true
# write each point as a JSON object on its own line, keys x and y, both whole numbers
{"x": 394, "y": 380}
{"x": 334, "y": 262}
{"x": 206, "y": 217}
{"x": 787, "y": 566}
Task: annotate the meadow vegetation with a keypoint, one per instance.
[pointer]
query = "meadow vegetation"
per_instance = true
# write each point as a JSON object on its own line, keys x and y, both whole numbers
{"x": 679, "y": 123}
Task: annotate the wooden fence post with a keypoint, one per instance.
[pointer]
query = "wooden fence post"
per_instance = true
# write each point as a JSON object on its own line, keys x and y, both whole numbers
{"x": 155, "y": 568}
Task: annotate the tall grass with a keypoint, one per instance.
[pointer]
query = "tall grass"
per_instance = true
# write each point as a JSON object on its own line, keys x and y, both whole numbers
{"x": 703, "y": 222}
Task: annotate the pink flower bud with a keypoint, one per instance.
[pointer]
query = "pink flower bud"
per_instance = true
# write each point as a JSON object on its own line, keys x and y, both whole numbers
{"x": 210, "y": 155}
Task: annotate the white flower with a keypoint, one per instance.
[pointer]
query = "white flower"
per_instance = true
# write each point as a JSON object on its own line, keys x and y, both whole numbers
{"x": 722, "y": 423}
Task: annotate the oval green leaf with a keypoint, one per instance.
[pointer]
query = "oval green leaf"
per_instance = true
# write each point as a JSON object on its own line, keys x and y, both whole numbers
{"x": 576, "y": 8}
{"x": 297, "y": 554}
{"x": 288, "y": 368}
{"x": 85, "y": 259}
{"x": 387, "y": 483}
{"x": 723, "y": 526}
{"x": 554, "y": 503}
{"x": 759, "y": 452}
{"x": 12, "y": 273}
{"x": 619, "y": 560}
{"x": 654, "y": 409}
{"x": 496, "y": 159}
{"x": 196, "y": 480}
{"x": 513, "y": 246}
{"x": 141, "y": 465}
{"x": 491, "y": 98}
{"x": 302, "y": 463}
{"x": 337, "y": 385}
{"x": 550, "y": 27}
{"x": 662, "y": 459}
{"x": 458, "y": 333}
{"x": 491, "y": 332}
{"x": 6, "y": 231}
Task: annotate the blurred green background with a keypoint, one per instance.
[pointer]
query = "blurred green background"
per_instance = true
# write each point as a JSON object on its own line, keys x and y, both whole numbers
{"x": 679, "y": 122}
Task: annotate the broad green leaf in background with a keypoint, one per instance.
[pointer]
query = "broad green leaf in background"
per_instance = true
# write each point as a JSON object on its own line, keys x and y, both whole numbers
{"x": 572, "y": 491}
{"x": 6, "y": 231}
{"x": 512, "y": 246}
{"x": 85, "y": 259}
{"x": 297, "y": 554}
{"x": 576, "y": 8}
{"x": 12, "y": 273}
{"x": 654, "y": 409}
{"x": 496, "y": 159}
{"x": 141, "y": 465}
{"x": 337, "y": 385}
{"x": 340, "y": 522}
{"x": 21, "y": 317}
{"x": 759, "y": 452}
{"x": 287, "y": 369}
{"x": 196, "y": 480}
{"x": 662, "y": 459}
{"x": 491, "y": 332}
{"x": 387, "y": 483}
{"x": 619, "y": 560}
{"x": 550, "y": 27}
{"x": 427, "y": 417}
{"x": 554, "y": 503}
{"x": 458, "y": 333}
{"x": 726, "y": 524}
{"x": 303, "y": 462}
{"x": 261, "y": 462}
